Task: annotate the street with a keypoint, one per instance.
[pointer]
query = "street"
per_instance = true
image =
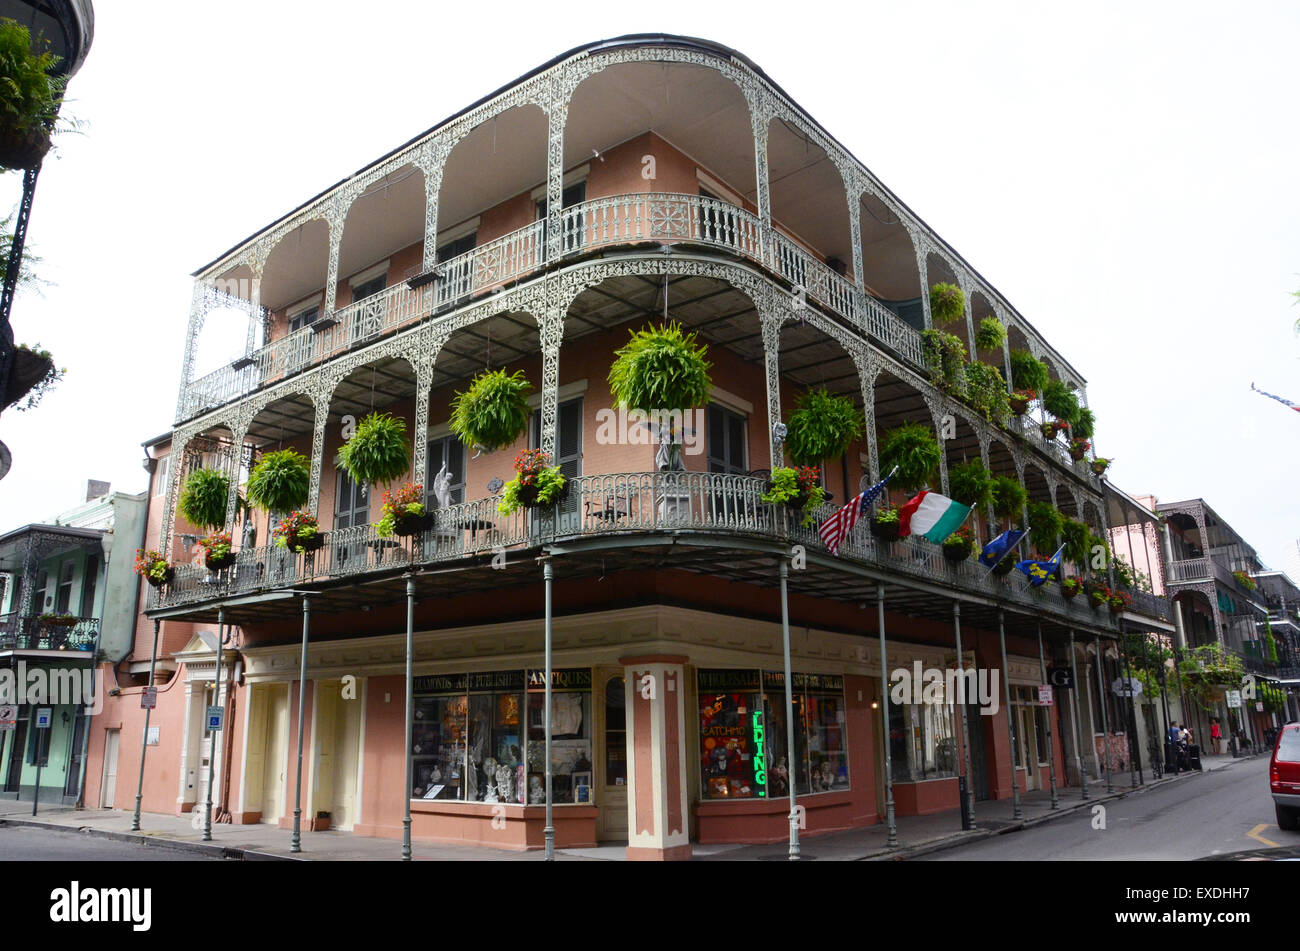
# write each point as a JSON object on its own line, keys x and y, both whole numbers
{"x": 18, "y": 843}
{"x": 1213, "y": 814}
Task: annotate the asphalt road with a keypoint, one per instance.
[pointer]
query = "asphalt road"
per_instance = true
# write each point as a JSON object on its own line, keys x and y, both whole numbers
{"x": 1224, "y": 811}
{"x": 19, "y": 843}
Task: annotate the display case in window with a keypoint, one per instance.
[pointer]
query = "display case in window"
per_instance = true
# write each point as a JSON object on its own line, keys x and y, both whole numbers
{"x": 571, "y": 723}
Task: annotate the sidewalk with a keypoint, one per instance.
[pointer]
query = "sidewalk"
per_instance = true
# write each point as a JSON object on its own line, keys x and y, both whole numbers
{"x": 917, "y": 835}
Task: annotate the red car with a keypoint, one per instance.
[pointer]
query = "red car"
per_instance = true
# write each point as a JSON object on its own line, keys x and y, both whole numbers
{"x": 1284, "y": 777}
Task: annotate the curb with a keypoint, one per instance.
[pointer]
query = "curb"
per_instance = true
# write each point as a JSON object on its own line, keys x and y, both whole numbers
{"x": 211, "y": 850}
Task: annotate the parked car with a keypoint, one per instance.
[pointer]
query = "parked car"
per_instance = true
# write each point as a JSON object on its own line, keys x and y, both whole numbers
{"x": 1284, "y": 777}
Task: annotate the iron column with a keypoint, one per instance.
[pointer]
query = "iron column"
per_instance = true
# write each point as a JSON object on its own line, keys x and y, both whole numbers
{"x": 1105, "y": 719}
{"x": 1051, "y": 760}
{"x": 144, "y": 738}
{"x": 410, "y": 715}
{"x": 961, "y": 702}
{"x": 1135, "y": 760}
{"x": 1078, "y": 730}
{"x": 789, "y": 710}
{"x": 1016, "y": 812}
{"x": 295, "y": 842}
{"x": 548, "y": 573}
{"x": 212, "y": 745}
{"x": 892, "y": 840}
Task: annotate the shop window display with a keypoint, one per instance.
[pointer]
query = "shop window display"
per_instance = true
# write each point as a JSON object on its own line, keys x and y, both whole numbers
{"x": 922, "y": 740}
{"x": 470, "y": 741}
{"x": 743, "y": 734}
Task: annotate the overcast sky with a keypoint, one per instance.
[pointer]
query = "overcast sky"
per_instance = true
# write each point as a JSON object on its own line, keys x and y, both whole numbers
{"x": 1125, "y": 175}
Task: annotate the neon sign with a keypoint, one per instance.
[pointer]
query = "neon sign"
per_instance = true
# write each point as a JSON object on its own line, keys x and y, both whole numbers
{"x": 760, "y": 754}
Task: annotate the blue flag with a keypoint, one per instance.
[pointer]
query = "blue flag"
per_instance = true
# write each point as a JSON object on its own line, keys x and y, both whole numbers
{"x": 997, "y": 549}
{"x": 1039, "y": 571}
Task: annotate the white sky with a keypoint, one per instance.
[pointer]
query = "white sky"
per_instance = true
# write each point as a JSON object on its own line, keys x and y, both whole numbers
{"x": 1124, "y": 176}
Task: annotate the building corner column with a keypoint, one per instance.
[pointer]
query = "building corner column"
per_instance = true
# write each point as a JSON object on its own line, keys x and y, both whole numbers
{"x": 657, "y": 802}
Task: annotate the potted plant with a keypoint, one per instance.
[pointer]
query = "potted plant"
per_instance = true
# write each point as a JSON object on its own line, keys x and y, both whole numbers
{"x": 1084, "y": 424}
{"x": 1060, "y": 401}
{"x": 945, "y": 359}
{"x": 662, "y": 370}
{"x": 1019, "y": 401}
{"x": 153, "y": 567}
{"x": 970, "y": 483}
{"x": 378, "y": 451}
{"x": 58, "y": 620}
{"x": 1071, "y": 586}
{"x": 884, "y": 524}
{"x": 1009, "y": 497}
{"x": 822, "y": 426}
{"x": 299, "y": 532}
{"x": 1098, "y": 593}
{"x": 280, "y": 481}
{"x": 535, "y": 485}
{"x": 216, "y": 551}
{"x": 1079, "y": 448}
{"x": 1044, "y": 525}
{"x": 404, "y": 512}
{"x": 947, "y": 304}
{"x": 1245, "y": 580}
{"x": 986, "y": 391}
{"x": 1078, "y": 540}
{"x": 1052, "y": 427}
{"x": 797, "y": 489}
{"x": 29, "y": 98}
{"x": 990, "y": 334}
{"x": 1005, "y": 566}
{"x": 493, "y": 412}
{"x": 1100, "y": 465}
{"x": 958, "y": 546}
{"x": 913, "y": 449}
{"x": 203, "y": 498}
{"x": 1028, "y": 372}
{"x": 1119, "y": 601}
{"x": 33, "y": 373}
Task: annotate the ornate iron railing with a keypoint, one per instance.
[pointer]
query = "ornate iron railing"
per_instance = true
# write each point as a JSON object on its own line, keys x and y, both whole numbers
{"x": 29, "y": 632}
{"x": 601, "y": 505}
{"x": 613, "y": 220}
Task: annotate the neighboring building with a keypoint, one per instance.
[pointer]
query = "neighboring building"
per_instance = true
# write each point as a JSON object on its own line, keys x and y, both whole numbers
{"x": 1281, "y": 595}
{"x": 532, "y": 232}
{"x": 69, "y": 601}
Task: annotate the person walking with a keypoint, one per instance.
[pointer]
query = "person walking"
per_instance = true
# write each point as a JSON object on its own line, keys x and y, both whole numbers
{"x": 1216, "y": 735}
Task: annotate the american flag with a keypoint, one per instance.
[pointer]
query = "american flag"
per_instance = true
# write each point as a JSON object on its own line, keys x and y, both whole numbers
{"x": 836, "y": 528}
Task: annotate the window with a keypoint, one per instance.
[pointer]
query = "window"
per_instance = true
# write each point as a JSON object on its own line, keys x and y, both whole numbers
{"x": 64, "y": 599}
{"x": 743, "y": 734}
{"x": 38, "y": 747}
{"x": 458, "y": 276}
{"x": 369, "y": 288}
{"x": 303, "y": 345}
{"x": 726, "y": 440}
{"x": 160, "y": 475}
{"x": 88, "y": 583}
{"x": 718, "y": 225}
{"x": 471, "y": 742}
{"x": 615, "y": 732}
{"x": 303, "y": 319}
{"x": 568, "y": 453}
{"x": 922, "y": 738}
{"x": 351, "y": 510}
{"x": 451, "y": 450}
{"x": 39, "y": 602}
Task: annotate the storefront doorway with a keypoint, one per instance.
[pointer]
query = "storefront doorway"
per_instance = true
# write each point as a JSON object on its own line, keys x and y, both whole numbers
{"x": 612, "y": 823}
{"x": 979, "y": 766}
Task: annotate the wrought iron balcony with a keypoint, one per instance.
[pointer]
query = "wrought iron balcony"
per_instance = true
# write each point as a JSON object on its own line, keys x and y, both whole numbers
{"x": 614, "y": 506}
{"x": 29, "y": 633}
{"x": 589, "y": 225}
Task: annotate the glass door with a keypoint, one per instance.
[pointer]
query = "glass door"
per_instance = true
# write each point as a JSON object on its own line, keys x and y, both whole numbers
{"x": 612, "y": 823}
{"x": 351, "y": 510}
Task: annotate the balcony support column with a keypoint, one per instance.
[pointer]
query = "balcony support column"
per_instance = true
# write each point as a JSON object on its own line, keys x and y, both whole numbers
{"x": 332, "y": 271}
{"x": 938, "y": 414}
{"x": 423, "y": 384}
{"x": 867, "y": 371}
{"x": 763, "y": 188}
{"x": 966, "y": 289}
{"x": 321, "y": 400}
{"x": 29, "y": 578}
{"x": 432, "y": 160}
{"x": 1078, "y": 726}
{"x": 551, "y": 328}
{"x": 1051, "y": 759}
{"x": 965, "y": 724}
{"x": 891, "y": 824}
{"x": 180, "y": 444}
{"x": 771, "y": 328}
{"x": 239, "y": 434}
{"x": 853, "y": 193}
{"x": 1105, "y": 716}
{"x": 922, "y": 249}
{"x": 557, "y": 115}
{"x": 1016, "y": 812}
{"x": 198, "y": 310}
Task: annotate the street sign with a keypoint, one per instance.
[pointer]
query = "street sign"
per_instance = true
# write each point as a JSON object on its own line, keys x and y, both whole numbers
{"x": 149, "y": 698}
{"x": 1044, "y": 695}
{"x": 1126, "y": 687}
{"x": 214, "y": 719}
{"x": 1060, "y": 677}
{"x": 1259, "y": 706}
{"x": 8, "y": 716}
{"x": 43, "y": 717}
{"x": 1233, "y": 698}
{"x": 151, "y": 738}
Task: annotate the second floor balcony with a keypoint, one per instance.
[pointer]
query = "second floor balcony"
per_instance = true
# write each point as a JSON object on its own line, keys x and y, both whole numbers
{"x": 21, "y": 633}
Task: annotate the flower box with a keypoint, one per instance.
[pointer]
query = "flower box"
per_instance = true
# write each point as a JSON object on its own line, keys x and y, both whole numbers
{"x": 408, "y": 525}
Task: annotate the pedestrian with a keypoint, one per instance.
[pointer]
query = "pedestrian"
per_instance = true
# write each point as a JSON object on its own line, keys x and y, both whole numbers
{"x": 1216, "y": 736}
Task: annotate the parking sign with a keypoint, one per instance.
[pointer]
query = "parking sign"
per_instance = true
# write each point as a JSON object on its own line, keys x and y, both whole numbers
{"x": 214, "y": 719}
{"x": 43, "y": 717}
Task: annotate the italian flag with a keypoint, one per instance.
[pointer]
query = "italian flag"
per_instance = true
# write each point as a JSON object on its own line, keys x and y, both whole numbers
{"x": 931, "y": 515}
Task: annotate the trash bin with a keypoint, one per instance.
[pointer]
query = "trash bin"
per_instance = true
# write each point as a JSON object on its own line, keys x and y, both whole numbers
{"x": 1194, "y": 756}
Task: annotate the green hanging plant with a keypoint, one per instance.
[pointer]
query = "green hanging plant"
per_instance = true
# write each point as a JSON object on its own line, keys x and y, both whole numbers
{"x": 991, "y": 334}
{"x": 1084, "y": 424}
{"x": 822, "y": 426}
{"x": 1009, "y": 497}
{"x": 280, "y": 482}
{"x": 1028, "y": 372}
{"x": 29, "y": 97}
{"x": 203, "y": 498}
{"x": 986, "y": 392}
{"x": 1060, "y": 401}
{"x": 1044, "y": 526}
{"x": 378, "y": 451}
{"x": 914, "y": 450}
{"x": 1077, "y": 539}
{"x": 945, "y": 358}
{"x": 493, "y": 412}
{"x": 970, "y": 484}
{"x": 947, "y": 304}
{"x": 661, "y": 368}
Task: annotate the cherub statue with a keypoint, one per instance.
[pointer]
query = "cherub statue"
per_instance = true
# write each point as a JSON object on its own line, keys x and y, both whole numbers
{"x": 505, "y": 782}
{"x": 490, "y": 770}
{"x": 442, "y": 486}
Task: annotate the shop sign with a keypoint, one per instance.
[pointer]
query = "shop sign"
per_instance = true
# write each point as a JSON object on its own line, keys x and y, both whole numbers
{"x": 562, "y": 678}
{"x": 724, "y": 681}
{"x": 825, "y": 683}
{"x": 1061, "y": 677}
{"x": 1044, "y": 695}
{"x": 760, "y": 754}
{"x": 440, "y": 683}
{"x": 1234, "y": 698}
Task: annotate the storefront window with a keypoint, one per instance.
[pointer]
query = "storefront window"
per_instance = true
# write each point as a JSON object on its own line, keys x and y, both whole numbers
{"x": 744, "y": 734}
{"x": 922, "y": 740}
{"x": 469, "y": 740}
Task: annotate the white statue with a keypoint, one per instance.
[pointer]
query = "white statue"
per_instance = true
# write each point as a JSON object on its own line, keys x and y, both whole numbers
{"x": 505, "y": 782}
{"x": 442, "y": 486}
{"x": 490, "y": 769}
{"x": 536, "y": 793}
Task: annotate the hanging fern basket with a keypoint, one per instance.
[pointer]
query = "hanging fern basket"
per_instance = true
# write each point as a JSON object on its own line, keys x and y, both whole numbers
{"x": 203, "y": 498}
{"x": 378, "y": 452}
{"x": 280, "y": 482}
{"x": 661, "y": 368}
{"x": 823, "y": 426}
{"x": 493, "y": 412}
